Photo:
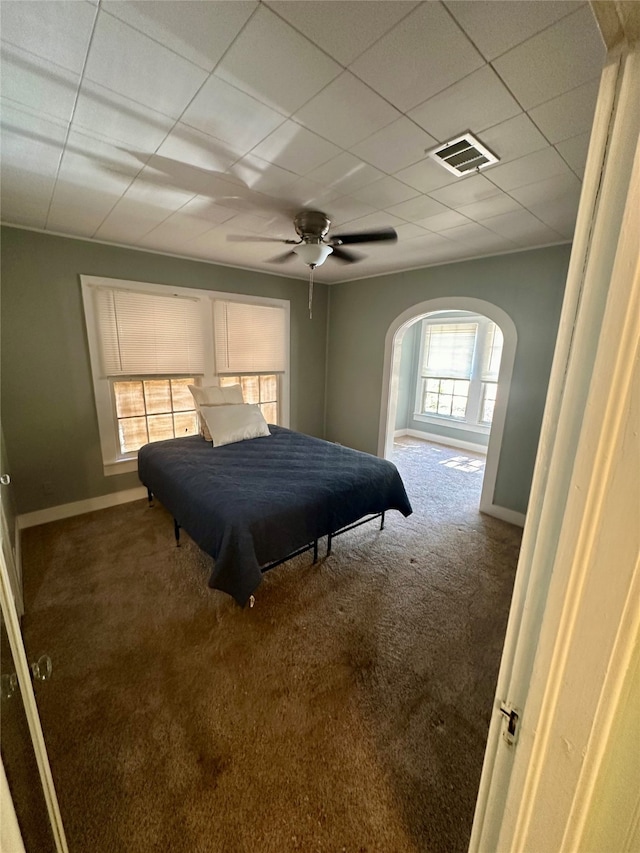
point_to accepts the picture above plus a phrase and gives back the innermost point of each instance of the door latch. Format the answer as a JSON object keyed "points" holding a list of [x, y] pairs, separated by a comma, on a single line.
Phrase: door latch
{"points": [[511, 723]]}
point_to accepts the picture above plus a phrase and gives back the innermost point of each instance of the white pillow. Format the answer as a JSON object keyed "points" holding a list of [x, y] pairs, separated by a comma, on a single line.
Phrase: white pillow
{"points": [[228, 424], [214, 395]]}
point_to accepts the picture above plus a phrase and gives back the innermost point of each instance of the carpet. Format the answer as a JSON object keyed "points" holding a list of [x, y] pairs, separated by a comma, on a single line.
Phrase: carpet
{"points": [[347, 711]]}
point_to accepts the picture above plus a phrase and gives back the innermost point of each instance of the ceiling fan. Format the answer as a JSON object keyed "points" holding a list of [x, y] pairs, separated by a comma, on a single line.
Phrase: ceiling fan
{"points": [[315, 246]]}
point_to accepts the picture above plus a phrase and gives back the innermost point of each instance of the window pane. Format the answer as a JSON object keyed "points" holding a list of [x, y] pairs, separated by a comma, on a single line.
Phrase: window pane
{"points": [[129, 399], [489, 392], [270, 412], [157, 394], [433, 385], [459, 407], [182, 399], [461, 387], [268, 389], [133, 434], [447, 386], [185, 423], [444, 404], [229, 380], [160, 427], [250, 389], [431, 402]]}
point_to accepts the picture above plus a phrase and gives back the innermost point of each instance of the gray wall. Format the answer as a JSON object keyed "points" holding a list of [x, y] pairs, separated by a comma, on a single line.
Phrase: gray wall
{"points": [[48, 411], [528, 286]]}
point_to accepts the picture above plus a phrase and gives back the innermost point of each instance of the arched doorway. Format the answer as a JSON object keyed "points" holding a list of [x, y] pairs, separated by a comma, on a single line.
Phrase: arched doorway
{"points": [[391, 374]]}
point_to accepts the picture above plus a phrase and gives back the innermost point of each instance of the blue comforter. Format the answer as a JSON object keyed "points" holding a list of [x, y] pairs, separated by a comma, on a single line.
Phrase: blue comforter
{"points": [[253, 502]]}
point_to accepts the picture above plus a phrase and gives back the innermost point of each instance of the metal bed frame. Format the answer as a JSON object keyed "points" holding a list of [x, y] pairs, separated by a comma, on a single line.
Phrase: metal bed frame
{"points": [[312, 545]]}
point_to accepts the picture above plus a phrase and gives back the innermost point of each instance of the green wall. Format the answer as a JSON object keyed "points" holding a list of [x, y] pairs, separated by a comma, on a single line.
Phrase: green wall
{"points": [[48, 412], [528, 286]]}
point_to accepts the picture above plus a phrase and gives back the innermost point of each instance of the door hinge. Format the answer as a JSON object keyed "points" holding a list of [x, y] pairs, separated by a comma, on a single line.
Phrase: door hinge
{"points": [[511, 723]]}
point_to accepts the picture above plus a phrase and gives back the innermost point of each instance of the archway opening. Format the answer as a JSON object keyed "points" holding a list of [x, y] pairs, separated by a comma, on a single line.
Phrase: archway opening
{"points": [[410, 382]]}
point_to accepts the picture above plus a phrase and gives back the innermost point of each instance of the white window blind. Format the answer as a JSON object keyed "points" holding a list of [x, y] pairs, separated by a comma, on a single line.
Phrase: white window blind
{"points": [[492, 354], [448, 350], [249, 338], [148, 334]]}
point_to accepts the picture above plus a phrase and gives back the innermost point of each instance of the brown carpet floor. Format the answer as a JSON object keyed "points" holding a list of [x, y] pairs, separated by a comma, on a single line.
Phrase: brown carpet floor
{"points": [[348, 711]]}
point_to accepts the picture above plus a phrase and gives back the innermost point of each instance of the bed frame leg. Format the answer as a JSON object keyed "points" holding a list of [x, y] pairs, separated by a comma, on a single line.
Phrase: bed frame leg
{"points": [[329, 538], [252, 601], [150, 497], [382, 522], [176, 531], [315, 550]]}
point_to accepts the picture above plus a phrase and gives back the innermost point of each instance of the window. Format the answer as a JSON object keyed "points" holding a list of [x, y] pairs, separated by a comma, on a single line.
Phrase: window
{"points": [[258, 388], [459, 366], [153, 410], [148, 342]]}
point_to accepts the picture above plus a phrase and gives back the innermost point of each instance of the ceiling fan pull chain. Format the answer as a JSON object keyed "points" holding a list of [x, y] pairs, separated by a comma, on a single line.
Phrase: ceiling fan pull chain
{"points": [[312, 266]]}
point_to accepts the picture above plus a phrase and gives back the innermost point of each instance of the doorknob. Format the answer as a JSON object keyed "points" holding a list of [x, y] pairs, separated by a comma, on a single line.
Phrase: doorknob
{"points": [[5, 479], [42, 668]]}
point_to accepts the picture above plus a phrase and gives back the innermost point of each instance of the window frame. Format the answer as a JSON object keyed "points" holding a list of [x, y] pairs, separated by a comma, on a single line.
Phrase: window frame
{"points": [[114, 462], [471, 422]]}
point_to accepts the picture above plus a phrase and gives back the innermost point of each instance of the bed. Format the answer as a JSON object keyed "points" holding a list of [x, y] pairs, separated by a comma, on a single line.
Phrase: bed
{"points": [[253, 504]]}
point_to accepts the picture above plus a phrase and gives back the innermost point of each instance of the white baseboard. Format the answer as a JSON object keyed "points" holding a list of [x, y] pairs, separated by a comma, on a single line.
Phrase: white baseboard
{"points": [[442, 439], [55, 513], [504, 514]]}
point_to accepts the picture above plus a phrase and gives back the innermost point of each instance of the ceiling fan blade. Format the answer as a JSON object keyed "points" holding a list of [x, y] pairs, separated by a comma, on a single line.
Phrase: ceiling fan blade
{"points": [[388, 234], [245, 238], [346, 257], [280, 259]]}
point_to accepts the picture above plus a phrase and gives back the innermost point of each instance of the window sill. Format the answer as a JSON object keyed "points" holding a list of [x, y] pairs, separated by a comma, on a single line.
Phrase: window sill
{"points": [[122, 466], [452, 423]]}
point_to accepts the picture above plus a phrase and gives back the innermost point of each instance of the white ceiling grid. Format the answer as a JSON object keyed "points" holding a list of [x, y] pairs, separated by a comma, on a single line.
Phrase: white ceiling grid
{"points": [[171, 124]]}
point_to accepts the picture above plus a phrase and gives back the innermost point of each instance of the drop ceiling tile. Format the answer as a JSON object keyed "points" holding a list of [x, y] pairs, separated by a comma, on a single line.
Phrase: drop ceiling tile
{"points": [[409, 231], [58, 32], [396, 146], [31, 141], [284, 78], [307, 193], [528, 170], [345, 174], [417, 208], [513, 138], [521, 226], [295, 148], [226, 113], [543, 68], [496, 26], [126, 61], [194, 148], [90, 159], [379, 219], [115, 117], [36, 83], [80, 209], [443, 221], [260, 175], [569, 114], [343, 30], [551, 189], [423, 54], [494, 206], [346, 112], [574, 151], [25, 197], [203, 207], [346, 209], [200, 32], [475, 103], [466, 191], [477, 237], [426, 175], [385, 192]]}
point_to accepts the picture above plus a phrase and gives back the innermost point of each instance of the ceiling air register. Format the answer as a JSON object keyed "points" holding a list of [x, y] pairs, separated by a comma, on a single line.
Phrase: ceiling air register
{"points": [[463, 155]]}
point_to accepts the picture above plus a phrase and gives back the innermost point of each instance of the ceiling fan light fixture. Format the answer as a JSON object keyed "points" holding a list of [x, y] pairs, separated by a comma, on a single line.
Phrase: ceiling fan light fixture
{"points": [[313, 254]]}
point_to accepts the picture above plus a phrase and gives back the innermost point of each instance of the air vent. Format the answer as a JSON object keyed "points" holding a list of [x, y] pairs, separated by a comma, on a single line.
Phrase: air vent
{"points": [[463, 155]]}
